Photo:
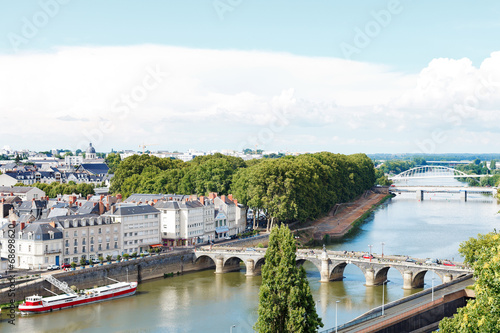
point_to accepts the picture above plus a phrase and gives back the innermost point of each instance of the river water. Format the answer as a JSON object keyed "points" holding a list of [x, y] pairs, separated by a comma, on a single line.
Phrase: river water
{"points": [[206, 302]]}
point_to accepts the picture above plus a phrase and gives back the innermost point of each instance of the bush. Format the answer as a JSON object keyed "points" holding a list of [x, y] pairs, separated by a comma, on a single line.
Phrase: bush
{"points": [[260, 245], [73, 265], [118, 257], [108, 258], [134, 254]]}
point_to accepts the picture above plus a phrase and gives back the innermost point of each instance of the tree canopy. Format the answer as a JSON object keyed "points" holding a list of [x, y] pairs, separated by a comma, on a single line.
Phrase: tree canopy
{"points": [[289, 188], [481, 314], [285, 300]]}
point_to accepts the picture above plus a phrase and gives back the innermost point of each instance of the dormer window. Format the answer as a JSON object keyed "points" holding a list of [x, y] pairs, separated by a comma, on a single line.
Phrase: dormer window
{"points": [[51, 234], [30, 235]]}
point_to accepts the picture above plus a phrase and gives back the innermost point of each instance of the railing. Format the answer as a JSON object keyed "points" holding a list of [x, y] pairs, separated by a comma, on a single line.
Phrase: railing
{"points": [[63, 286], [52, 251]]}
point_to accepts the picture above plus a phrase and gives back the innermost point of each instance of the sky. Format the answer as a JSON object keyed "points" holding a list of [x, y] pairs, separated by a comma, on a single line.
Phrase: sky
{"points": [[301, 76]]}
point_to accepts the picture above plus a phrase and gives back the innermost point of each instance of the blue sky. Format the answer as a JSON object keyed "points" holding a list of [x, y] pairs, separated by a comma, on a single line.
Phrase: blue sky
{"points": [[349, 76]]}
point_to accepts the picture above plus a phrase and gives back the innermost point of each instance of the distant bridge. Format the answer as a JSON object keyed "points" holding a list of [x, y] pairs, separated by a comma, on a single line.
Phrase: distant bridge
{"points": [[461, 190], [433, 171], [331, 265]]}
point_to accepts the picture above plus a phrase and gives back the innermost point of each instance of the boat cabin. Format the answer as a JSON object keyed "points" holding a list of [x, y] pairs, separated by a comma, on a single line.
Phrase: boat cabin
{"points": [[34, 300]]}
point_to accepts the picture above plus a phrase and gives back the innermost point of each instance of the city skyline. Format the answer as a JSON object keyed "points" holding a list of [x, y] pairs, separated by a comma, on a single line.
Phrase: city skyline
{"points": [[378, 77]]}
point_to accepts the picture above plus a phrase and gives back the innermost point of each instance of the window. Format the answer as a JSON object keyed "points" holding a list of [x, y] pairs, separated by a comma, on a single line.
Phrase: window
{"points": [[116, 245], [100, 248], [83, 241], [115, 229], [29, 248], [66, 252], [75, 242], [99, 230], [51, 234], [107, 246], [84, 233], [67, 243], [75, 250], [91, 248], [75, 233], [83, 249], [91, 240]]}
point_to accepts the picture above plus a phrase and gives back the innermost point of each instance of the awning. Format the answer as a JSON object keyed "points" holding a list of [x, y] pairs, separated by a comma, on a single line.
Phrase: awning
{"points": [[221, 230], [156, 245]]}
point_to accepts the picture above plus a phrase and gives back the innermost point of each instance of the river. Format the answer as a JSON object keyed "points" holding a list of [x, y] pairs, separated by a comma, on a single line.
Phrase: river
{"points": [[205, 302]]}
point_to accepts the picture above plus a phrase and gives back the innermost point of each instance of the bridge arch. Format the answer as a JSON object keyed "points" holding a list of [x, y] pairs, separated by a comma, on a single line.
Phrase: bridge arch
{"points": [[432, 171]]}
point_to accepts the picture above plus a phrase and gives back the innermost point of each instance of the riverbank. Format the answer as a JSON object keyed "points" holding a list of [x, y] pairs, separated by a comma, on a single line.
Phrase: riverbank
{"points": [[342, 219]]}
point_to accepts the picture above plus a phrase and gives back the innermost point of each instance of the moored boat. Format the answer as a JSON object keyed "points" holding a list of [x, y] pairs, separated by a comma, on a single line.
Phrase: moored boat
{"points": [[39, 304]]}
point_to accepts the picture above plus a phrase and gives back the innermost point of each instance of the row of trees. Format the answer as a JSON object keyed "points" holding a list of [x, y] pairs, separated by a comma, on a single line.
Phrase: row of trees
{"points": [[53, 189], [287, 188]]}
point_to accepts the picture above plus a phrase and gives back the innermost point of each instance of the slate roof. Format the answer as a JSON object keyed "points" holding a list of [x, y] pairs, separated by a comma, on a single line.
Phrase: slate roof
{"points": [[140, 197], [40, 231], [133, 210], [94, 168]]}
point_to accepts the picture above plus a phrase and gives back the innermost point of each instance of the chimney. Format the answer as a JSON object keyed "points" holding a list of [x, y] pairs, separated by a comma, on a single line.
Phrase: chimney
{"points": [[52, 224], [202, 200], [235, 202], [89, 196], [155, 200], [119, 196], [223, 198], [101, 207], [22, 226], [230, 197], [212, 195], [102, 197]]}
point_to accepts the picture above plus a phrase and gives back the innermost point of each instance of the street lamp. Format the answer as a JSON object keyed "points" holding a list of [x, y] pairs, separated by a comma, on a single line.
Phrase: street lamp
{"points": [[317, 304], [336, 310], [231, 328], [382, 249], [432, 286], [370, 246], [383, 294]]}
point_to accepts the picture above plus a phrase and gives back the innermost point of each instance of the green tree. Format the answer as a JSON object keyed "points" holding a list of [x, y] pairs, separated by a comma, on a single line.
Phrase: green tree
{"points": [[481, 314], [493, 164], [285, 300], [113, 160]]}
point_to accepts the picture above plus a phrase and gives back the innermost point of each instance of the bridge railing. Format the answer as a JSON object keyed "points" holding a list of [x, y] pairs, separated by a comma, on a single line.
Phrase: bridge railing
{"points": [[377, 312]]}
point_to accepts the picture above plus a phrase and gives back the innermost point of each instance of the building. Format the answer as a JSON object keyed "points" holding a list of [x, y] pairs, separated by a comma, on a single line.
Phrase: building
{"points": [[88, 236], [140, 226], [186, 222], [25, 193], [37, 245], [235, 213]]}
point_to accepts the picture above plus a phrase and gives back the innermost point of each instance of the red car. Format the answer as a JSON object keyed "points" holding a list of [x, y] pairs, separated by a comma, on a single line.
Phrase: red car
{"points": [[368, 256], [448, 263], [65, 266]]}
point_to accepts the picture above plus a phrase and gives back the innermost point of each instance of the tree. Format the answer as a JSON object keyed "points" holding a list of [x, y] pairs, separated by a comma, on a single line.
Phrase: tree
{"points": [[481, 314], [285, 299], [493, 164]]}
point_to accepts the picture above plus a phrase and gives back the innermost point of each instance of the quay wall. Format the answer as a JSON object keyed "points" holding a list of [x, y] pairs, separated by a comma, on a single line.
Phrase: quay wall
{"points": [[140, 269]]}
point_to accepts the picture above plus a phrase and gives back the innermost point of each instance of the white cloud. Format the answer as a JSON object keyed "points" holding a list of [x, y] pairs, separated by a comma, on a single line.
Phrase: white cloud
{"points": [[229, 98]]}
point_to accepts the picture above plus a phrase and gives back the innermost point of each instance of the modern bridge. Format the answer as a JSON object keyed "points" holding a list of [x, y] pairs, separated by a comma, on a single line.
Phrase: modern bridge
{"points": [[463, 191], [433, 171], [331, 265]]}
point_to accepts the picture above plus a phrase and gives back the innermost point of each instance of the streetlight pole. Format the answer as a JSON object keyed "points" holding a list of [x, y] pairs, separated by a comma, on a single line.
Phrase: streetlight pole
{"points": [[382, 249], [370, 246], [231, 328], [317, 304], [336, 310], [432, 286], [383, 295]]}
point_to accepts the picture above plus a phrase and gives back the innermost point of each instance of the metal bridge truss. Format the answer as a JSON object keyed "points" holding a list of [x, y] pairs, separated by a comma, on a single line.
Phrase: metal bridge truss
{"points": [[431, 171], [63, 286]]}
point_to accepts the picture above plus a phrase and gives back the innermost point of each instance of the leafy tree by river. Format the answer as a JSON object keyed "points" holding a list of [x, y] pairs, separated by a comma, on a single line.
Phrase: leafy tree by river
{"points": [[285, 300], [288, 188], [481, 314]]}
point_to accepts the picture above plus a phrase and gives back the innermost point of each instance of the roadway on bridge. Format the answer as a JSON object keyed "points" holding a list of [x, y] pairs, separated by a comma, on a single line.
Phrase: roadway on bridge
{"points": [[390, 313]]}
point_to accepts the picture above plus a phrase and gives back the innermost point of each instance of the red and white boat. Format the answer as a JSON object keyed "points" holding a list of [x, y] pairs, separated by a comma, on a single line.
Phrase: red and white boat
{"points": [[39, 304]]}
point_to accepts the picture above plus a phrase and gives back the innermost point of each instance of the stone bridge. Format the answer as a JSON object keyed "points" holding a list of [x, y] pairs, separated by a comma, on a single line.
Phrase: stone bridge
{"points": [[331, 265]]}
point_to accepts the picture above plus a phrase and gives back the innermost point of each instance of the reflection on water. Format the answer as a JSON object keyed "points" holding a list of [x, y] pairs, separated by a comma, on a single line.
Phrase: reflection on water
{"points": [[208, 302]]}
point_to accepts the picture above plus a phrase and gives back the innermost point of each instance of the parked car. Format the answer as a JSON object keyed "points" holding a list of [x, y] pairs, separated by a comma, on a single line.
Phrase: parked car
{"points": [[53, 267], [448, 263], [368, 256], [227, 237], [65, 266], [411, 260]]}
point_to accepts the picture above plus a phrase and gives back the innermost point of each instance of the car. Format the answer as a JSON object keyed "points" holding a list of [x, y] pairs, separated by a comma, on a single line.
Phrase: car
{"points": [[65, 266], [448, 263], [432, 261], [411, 260], [368, 256], [227, 237], [53, 267]]}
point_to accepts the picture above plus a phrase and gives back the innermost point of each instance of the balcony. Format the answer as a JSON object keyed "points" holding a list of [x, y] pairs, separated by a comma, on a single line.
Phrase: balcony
{"points": [[52, 251]]}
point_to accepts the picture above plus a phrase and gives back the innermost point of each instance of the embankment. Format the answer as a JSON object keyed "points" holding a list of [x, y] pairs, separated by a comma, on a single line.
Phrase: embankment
{"points": [[140, 269]]}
